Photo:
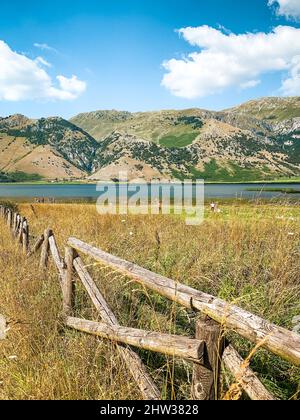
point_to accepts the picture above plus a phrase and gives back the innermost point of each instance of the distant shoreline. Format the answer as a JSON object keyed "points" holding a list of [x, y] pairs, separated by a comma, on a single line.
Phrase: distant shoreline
{"points": [[273, 182]]}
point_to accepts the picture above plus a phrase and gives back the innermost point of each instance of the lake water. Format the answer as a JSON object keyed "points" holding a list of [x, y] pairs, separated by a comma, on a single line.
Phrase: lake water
{"points": [[89, 192]]}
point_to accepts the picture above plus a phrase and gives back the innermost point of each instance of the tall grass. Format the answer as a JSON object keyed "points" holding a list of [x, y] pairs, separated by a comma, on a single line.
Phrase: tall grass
{"points": [[248, 254]]}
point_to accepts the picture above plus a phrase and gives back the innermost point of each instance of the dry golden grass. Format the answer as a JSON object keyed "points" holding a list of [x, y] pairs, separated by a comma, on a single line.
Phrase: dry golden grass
{"points": [[249, 255]]}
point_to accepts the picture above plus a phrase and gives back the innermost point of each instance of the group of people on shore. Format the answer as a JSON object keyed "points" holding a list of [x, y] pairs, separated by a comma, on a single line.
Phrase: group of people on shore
{"points": [[42, 200]]}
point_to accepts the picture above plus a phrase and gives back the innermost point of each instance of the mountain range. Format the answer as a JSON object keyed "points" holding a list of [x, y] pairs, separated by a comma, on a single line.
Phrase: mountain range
{"points": [[258, 140]]}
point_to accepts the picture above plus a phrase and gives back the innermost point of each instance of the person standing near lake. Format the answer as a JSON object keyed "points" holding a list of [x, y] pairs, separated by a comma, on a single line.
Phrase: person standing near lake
{"points": [[215, 207]]}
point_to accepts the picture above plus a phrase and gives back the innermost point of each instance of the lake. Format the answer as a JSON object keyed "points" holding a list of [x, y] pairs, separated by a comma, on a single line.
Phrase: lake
{"points": [[89, 192]]}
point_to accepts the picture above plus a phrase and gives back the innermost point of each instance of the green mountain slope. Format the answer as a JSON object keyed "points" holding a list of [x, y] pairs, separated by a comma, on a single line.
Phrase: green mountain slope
{"points": [[162, 127], [270, 109]]}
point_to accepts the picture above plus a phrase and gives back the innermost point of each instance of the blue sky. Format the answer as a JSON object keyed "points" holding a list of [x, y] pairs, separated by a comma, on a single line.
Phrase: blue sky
{"points": [[116, 49]]}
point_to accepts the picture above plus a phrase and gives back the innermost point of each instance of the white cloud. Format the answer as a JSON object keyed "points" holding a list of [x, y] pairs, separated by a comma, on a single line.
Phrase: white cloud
{"points": [[41, 60], [291, 85], [44, 47], [229, 60], [69, 88], [288, 8], [250, 84], [24, 79]]}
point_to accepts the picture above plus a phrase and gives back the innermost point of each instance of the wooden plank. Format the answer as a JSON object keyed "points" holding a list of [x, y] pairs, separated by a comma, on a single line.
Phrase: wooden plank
{"points": [[25, 238], [2, 327], [278, 340], [171, 345], [18, 220], [69, 283], [9, 218], [37, 246], [45, 249], [133, 362], [56, 257], [94, 293], [245, 377], [20, 232], [15, 221], [206, 377]]}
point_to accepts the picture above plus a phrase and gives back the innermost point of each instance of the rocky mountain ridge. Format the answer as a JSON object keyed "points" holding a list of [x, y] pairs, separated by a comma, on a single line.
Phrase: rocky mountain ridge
{"points": [[257, 140]]}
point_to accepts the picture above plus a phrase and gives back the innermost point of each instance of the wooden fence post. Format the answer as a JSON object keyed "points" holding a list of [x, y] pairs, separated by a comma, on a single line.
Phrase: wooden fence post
{"points": [[17, 225], [45, 249], [68, 283], [14, 224], [206, 377], [20, 232], [25, 238], [18, 218], [9, 218]]}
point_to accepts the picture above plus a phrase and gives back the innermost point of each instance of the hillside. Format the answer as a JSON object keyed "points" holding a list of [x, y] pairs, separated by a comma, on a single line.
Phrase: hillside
{"points": [[270, 109], [250, 142], [260, 116], [52, 147], [258, 140], [169, 128]]}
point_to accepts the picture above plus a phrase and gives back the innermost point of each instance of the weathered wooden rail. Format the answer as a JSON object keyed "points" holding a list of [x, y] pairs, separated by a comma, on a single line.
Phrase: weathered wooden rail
{"points": [[208, 351]]}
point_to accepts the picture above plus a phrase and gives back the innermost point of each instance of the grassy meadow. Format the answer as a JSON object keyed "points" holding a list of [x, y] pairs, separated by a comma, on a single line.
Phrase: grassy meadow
{"points": [[248, 254]]}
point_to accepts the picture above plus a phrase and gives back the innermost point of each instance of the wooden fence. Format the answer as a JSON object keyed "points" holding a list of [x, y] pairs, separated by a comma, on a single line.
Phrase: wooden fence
{"points": [[208, 351]]}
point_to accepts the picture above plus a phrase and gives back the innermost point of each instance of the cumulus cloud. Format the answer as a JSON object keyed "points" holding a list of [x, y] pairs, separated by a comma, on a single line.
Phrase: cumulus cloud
{"points": [[288, 8], [230, 60], [24, 79], [291, 85], [69, 88]]}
